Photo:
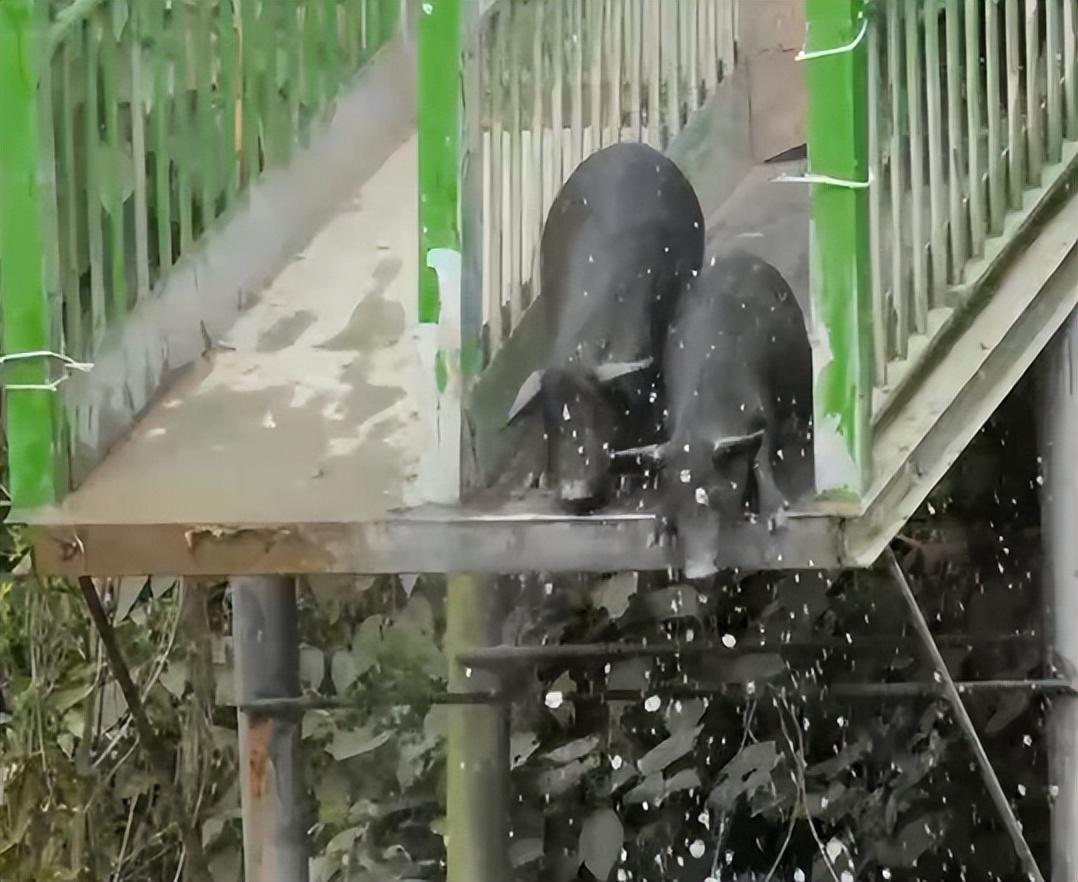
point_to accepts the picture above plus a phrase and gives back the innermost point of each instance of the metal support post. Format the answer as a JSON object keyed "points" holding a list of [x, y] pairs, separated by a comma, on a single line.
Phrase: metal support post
{"points": [[477, 761], [266, 644], [1058, 448], [965, 723]]}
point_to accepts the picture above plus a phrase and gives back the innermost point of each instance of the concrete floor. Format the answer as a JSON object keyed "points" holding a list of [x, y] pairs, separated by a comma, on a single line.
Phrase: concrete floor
{"points": [[309, 409]]}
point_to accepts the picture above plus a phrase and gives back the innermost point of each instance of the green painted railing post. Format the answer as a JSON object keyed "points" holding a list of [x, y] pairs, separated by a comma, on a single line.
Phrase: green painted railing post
{"points": [[840, 276], [24, 239]]}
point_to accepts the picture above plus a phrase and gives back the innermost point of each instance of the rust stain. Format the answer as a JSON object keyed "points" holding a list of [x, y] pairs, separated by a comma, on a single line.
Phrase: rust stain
{"points": [[259, 733]]}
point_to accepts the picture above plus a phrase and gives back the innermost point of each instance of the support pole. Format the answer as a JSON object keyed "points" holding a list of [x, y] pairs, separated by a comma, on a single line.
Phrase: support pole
{"points": [[965, 723], [266, 644], [477, 761], [1058, 447]]}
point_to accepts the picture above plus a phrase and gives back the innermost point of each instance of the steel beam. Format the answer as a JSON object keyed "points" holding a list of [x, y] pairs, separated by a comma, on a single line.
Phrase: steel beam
{"points": [[954, 697], [1058, 447], [266, 645]]}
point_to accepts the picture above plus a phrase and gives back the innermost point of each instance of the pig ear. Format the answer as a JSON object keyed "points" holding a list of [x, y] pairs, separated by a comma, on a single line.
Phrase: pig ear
{"points": [[612, 370], [749, 444], [528, 392], [653, 453]]}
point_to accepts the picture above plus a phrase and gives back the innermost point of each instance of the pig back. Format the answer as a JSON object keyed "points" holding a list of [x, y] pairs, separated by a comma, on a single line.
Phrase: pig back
{"points": [[621, 237]]}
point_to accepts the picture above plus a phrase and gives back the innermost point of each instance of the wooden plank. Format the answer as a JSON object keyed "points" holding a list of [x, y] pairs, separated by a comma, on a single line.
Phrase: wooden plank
{"points": [[1034, 111], [937, 183], [1016, 145], [915, 110], [899, 270], [118, 169], [138, 152], [974, 126], [956, 138], [996, 178], [92, 145], [70, 201]]}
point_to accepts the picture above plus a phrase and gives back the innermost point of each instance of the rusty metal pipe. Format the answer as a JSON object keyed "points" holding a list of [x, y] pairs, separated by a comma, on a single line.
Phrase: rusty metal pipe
{"points": [[266, 644]]}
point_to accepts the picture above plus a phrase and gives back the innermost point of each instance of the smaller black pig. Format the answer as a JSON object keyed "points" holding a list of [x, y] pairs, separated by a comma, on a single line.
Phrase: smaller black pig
{"points": [[738, 372], [622, 237]]}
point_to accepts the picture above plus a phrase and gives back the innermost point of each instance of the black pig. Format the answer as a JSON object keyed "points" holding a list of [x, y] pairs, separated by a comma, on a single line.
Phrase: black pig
{"points": [[738, 372], [621, 239]]}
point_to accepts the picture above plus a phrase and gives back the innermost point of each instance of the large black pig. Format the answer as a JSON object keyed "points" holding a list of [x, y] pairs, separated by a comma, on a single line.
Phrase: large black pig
{"points": [[738, 372], [621, 239]]}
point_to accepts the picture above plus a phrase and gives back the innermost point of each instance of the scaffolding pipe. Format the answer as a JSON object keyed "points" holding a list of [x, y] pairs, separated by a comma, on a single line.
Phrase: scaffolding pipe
{"points": [[477, 754], [1058, 443], [266, 644]]}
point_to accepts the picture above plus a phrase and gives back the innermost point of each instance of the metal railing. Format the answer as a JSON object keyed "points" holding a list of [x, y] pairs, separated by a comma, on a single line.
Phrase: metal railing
{"points": [[558, 80], [969, 102], [141, 125]]}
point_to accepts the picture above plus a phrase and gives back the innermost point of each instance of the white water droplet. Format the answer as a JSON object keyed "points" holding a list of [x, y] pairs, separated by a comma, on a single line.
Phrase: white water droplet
{"points": [[799, 875], [652, 703], [616, 762], [697, 848], [686, 476], [729, 641], [701, 496], [554, 700]]}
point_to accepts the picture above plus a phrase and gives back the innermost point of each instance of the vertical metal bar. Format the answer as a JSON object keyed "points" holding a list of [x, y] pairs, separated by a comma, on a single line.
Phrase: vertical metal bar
{"points": [[230, 100], [1070, 65], [207, 139], [557, 93], [1034, 122], [27, 322], [936, 181], [841, 289], [616, 22], [996, 197], [95, 234], [516, 204], [593, 138], [875, 205], [671, 72], [495, 48], [655, 116], [138, 151], [1016, 147], [70, 278], [162, 188], [181, 108], [692, 70], [915, 110], [711, 44], [114, 201], [965, 723], [477, 761], [1057, 436], [330, 56], [533, 214], [955, 142], [1053, 93], [899, 270], [473, 192], [577, 111], [634, 66], [266, 643], [974, 126]]}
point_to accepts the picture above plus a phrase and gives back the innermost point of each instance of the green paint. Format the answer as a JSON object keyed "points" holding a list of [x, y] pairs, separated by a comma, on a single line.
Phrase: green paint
{"points": [[29, 414], [837, 144], [439, 138], [115, 171], [441, 372], [159, 123]]}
